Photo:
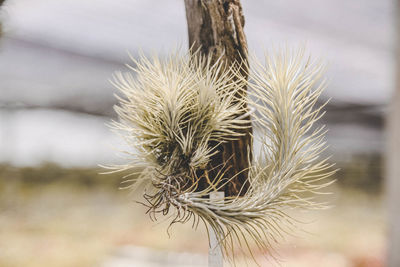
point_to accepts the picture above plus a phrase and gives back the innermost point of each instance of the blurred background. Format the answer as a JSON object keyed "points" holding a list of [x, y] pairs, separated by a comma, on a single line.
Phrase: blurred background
{"points": [[56, 60]]}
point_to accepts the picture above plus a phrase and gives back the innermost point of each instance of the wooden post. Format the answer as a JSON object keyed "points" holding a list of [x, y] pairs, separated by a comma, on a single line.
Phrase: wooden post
{"points": [[393, 159], [216, 28], [215, 258], [1, 25]]}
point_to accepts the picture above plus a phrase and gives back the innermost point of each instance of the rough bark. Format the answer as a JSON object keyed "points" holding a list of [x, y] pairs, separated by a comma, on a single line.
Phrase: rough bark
{"points": [[393, 162], [215, 27]]}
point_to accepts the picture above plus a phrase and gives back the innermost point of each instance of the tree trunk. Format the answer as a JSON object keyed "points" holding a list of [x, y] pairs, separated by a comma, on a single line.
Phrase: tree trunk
{"points": [[393, 161], [215, 27]]}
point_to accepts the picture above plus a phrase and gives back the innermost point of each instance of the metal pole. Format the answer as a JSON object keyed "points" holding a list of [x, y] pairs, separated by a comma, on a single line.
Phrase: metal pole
{"points": [[215, 258]]}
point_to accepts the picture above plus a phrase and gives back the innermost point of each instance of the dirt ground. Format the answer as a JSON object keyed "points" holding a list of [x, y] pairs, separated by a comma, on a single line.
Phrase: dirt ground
{"points": [[67, 225]]}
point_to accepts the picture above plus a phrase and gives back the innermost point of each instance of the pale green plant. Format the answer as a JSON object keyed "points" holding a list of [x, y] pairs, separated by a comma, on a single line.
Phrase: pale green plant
{"points": [[176, 112]]}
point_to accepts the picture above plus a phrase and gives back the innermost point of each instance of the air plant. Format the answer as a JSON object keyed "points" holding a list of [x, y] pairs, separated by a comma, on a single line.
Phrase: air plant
{"points": [[176, 112]]}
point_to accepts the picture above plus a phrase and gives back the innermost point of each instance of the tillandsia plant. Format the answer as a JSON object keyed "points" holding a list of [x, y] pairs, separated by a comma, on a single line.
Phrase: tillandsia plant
{"points": [[175, 113]]}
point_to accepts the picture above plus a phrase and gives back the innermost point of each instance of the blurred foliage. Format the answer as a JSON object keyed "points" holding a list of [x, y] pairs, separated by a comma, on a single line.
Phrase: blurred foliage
{"points": [[51, 173], [363, 172]]}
